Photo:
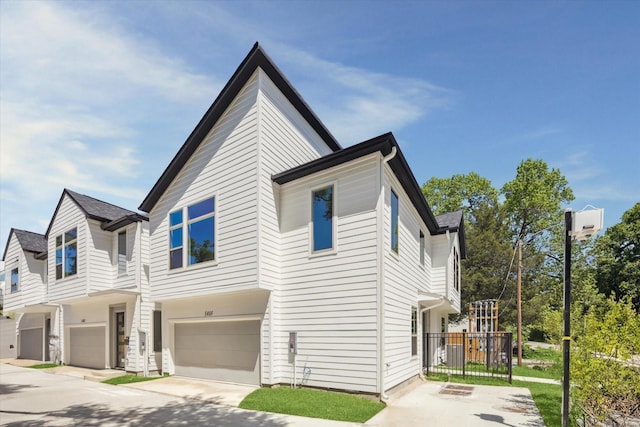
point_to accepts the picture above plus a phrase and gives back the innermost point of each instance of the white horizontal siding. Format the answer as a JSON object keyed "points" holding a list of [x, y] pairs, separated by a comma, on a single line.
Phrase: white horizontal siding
{"points": [[67, 217], [330, 300], [31, 287], [100, 249], [224, 166]]}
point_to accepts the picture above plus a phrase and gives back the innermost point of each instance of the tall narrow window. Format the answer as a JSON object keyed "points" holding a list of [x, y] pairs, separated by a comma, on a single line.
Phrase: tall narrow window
{"points": [[122, 252], [175, 239], [157, 330], [421, 248], [67, 254], [15, 278], [198, 233], [201, 231], [394, 222], [456, 269], [414, 331], [322, 224]]}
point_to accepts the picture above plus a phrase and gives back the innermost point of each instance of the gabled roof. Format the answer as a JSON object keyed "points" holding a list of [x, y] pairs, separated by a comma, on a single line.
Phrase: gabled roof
{"points": [[454, 222], [29, 241], [256, 58], [385, 145], [98, 210]]}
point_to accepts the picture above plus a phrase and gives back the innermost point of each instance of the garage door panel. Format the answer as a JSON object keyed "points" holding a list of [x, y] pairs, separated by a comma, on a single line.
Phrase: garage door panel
{"points": [[87, 346], [31, 344], [224, 351]]}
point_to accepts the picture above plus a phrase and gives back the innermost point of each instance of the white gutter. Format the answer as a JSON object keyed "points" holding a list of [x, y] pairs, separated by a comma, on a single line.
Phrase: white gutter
{"points": [[386, 159]]}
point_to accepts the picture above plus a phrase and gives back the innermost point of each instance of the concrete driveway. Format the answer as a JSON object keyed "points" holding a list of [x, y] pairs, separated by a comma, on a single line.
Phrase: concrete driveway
{"points": [[445, 404]]}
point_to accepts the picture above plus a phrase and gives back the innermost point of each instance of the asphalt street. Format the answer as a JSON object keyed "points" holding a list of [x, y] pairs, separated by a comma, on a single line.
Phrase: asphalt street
{"points": [[29, 397]]}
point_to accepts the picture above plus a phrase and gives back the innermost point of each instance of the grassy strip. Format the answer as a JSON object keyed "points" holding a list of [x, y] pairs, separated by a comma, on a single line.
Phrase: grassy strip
{"points": [[128, 379], [547, 397], [43, 366], [312, 403]]}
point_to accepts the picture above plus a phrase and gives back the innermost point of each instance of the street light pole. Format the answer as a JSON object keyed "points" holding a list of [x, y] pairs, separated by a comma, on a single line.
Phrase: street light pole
{"points": [[566, 336]]}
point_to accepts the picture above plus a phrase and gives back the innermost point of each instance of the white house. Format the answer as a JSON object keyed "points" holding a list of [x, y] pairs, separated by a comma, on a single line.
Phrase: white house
{"points": [[25, 294], [99, 277], [277, 256]]}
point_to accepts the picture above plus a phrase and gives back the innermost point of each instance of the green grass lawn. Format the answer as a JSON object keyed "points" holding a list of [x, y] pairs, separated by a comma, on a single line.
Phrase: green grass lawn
{"points": [[128, 379], [43, 366], [312, 403]]}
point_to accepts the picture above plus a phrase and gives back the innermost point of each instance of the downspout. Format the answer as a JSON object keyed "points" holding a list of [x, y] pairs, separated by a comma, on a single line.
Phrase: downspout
{"points": [[442, 301], [386, 159]]}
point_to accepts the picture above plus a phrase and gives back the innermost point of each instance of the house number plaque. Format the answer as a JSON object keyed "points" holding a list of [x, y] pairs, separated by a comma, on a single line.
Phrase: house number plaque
{"points": [[208, 313]]}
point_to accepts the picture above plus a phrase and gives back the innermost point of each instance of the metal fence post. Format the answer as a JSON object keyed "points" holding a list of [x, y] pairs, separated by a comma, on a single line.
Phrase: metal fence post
{"points": [[464, 354]]}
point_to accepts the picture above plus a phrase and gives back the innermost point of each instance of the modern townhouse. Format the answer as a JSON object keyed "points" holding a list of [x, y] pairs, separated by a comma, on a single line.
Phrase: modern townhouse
{"points": [[277, 256], [26, 293]]}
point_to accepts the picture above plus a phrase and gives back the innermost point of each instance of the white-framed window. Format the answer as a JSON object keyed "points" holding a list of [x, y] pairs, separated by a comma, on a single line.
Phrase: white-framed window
{"points": [[323, 219], [67, 254], [421, 248], [394, 221], [414, 331], [15, 279], [195, 225], [456, 269], [122, 252]]}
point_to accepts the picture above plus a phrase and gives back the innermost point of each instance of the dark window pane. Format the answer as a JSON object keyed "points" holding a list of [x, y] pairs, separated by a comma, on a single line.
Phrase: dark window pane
{"points": [[323, 219], [122, 243], [157, 330], [176, 237], [175, 258], [70, 259], [59, 240], [203, 208], [71, 235], [14, 280], [58, 271], [175, 218], [58, 256], [421, 248], [394, 222], [201, 241]]}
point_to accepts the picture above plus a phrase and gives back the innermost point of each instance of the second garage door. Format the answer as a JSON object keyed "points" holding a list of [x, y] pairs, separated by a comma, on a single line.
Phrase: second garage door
{"points": [[222, 351], [31, 344], [87, 347]]}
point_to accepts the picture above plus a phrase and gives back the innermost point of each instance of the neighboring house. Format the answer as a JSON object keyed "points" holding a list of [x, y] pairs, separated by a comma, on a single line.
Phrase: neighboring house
{"points": [[98, 276], [26, 293], [277, 256]]}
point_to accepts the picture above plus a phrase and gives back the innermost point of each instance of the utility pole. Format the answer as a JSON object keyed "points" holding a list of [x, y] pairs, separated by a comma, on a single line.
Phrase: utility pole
{"points": [[519, 302]]}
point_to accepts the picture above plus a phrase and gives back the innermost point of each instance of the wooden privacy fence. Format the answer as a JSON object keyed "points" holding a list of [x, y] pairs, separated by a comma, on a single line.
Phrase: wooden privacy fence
{"points": [[482, 354]]}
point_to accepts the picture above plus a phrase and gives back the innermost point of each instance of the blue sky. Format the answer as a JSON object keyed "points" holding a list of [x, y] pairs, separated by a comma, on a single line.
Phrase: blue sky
{"points": [[98, 96]]}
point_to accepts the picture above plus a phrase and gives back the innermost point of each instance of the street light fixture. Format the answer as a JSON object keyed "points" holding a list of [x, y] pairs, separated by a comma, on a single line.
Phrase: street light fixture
{"points": [[578, 226]]}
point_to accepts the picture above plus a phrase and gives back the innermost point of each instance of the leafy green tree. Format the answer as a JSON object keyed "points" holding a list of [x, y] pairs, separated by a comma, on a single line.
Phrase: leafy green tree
{"points": [[607, 385], [618, 259]]}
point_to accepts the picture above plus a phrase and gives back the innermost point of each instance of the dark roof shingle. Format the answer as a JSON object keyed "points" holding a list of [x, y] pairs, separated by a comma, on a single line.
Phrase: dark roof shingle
{"points": [[29, 241]]}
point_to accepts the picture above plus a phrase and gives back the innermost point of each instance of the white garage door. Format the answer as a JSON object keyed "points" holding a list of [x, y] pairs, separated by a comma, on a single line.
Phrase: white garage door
{"points": [[31, 344], [87, 347], [222, 351]]}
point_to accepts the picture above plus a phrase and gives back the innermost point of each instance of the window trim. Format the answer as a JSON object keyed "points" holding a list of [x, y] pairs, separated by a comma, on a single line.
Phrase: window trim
{"points": [[63, 253], [334, 220], [184, 225], [396, 217]]}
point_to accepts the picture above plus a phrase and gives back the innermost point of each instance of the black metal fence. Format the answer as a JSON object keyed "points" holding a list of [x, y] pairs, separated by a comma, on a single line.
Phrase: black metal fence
{"points": [[481, 354]]}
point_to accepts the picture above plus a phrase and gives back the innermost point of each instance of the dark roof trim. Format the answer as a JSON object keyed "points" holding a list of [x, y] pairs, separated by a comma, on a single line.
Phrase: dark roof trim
{"points": [[256, 58], [29, 241], [121, 222], [115, 213], [383, 144]]}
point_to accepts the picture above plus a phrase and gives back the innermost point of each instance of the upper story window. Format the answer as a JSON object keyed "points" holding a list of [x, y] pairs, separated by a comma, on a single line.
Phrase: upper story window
{"points": [[15, 278], [67, 254], [322, 218], [421, 248], [198, 231], [122, 252], [456, 269], [394, 222]]}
